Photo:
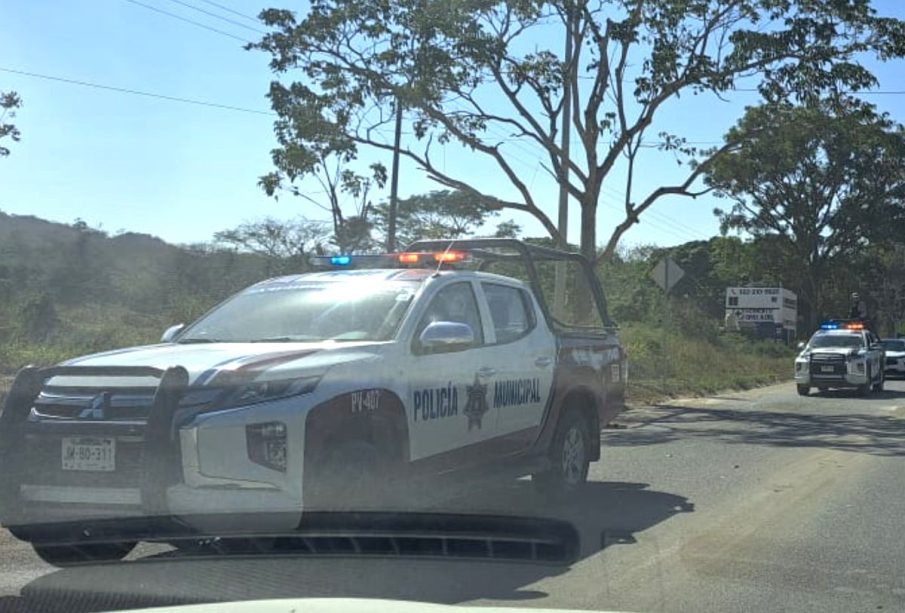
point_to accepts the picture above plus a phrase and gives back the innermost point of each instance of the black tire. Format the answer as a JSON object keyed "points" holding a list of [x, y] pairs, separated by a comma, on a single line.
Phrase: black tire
{"points": [[864, 390], [569, 458], [803, 390], [345, 480], [69, 555]]}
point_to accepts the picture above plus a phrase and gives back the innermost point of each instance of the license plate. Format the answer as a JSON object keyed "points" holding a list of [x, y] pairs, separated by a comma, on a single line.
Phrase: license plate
{"points": [[827, 369], [89, 453]]}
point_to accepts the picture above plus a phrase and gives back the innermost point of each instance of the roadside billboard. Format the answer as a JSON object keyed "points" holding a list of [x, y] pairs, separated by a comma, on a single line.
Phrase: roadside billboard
{"points": [[757, 307]]}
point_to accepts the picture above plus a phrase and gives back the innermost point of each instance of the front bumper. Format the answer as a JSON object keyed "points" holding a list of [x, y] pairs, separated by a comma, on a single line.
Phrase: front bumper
{"points": [[847, 379], [150, 480], [895, 366]]}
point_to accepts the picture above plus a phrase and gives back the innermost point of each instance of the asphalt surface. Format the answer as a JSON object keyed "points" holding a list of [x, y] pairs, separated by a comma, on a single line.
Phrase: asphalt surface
{"points": [[755, 501]]}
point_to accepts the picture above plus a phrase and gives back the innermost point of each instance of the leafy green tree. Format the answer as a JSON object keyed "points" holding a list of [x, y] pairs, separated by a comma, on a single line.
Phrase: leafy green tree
{"points": [[286, 245], [435, 215], [825, 180], [344, 193], [9, 102], [491, 75]]}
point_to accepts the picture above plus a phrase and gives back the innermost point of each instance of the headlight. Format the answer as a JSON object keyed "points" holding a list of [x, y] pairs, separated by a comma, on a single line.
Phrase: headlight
{"points": [[263, 391], [856, 366]]}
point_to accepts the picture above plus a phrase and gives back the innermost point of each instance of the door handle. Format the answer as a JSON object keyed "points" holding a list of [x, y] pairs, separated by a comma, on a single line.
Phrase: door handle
{"points": [[543, 362], [486, 371]]}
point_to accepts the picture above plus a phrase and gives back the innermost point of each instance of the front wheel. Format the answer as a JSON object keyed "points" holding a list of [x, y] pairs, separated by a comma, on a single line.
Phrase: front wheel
{"points": [[346, 479], [803, 390], [569, 458], [864, 390], [69, 555]]}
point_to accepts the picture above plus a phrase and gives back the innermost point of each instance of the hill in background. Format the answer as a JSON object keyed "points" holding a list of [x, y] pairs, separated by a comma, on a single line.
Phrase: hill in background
{"points": [[70, 289]]}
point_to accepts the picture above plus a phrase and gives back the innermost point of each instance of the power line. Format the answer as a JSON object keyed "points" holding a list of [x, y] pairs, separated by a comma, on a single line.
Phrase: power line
{"points": [[229, 10], [689, 231], [136, 92], [187, 20], [216, 16]]}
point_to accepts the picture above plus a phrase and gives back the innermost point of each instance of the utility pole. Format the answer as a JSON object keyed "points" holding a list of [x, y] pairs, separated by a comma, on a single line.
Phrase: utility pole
{"points": [[394, 182], [559, 295]]}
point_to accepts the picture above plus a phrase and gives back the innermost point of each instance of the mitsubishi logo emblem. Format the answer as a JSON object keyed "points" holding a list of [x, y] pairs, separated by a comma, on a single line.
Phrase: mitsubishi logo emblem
{"points": [[97, 408]]}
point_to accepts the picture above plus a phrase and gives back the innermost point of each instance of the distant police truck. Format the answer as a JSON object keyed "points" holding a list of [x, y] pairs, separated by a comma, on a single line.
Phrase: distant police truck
{"points": [[764, 312], [319, 391]]}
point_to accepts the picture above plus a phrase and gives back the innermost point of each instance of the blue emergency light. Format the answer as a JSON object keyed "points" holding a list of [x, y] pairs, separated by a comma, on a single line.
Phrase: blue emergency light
{"points": [[829, 325], [391, 260]]}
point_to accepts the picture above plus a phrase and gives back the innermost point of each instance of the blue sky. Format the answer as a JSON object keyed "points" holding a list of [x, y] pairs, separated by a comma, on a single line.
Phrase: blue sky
{"points": [[182, 171]]}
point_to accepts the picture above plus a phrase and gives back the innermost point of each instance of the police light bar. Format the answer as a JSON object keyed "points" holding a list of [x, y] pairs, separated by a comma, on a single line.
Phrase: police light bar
{"points": [[347, 261], [427, 258], [842, 325], [450, 256], [413, 257]]}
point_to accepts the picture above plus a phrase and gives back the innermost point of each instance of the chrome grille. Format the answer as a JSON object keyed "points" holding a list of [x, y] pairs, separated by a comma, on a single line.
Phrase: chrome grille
{"points": [[827, 357], [126, 404]]}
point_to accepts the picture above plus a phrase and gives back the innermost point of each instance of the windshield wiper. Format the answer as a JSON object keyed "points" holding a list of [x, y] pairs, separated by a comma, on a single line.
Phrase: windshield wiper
{"points": [[192, 341]]}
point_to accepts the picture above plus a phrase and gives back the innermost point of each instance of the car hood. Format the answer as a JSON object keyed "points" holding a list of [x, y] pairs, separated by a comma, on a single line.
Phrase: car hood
{"points": [[335, 605], [205, 361], [895, 354], [834, 350]]}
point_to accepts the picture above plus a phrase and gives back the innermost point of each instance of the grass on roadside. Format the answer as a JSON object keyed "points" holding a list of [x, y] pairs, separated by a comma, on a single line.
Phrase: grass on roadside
{"points": [[82, 331], [667, 364], [661, 364]]}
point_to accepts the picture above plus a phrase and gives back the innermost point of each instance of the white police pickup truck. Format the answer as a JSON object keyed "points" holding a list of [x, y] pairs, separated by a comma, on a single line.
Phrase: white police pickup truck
{"points": [[318, 391], [841, 354]]}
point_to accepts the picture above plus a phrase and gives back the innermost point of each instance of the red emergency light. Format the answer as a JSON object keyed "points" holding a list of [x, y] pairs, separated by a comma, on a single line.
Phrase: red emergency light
{"points": [[450, 256], [409, 258], [438, 256]]}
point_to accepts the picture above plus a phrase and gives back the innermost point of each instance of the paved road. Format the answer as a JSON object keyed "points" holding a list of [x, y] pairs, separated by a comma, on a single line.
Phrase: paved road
{"points": [[752, 501]]}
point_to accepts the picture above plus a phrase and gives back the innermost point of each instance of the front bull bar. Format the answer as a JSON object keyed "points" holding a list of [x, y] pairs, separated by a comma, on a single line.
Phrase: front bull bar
{"points": [[161, 462]]}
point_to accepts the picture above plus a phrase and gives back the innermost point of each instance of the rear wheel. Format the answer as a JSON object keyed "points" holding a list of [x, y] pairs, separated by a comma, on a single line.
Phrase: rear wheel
{"points": [[68, 555], [569, 458], [803, 390]]}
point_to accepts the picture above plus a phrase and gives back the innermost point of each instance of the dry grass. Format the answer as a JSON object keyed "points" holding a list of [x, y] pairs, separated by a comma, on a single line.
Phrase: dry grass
{"points": [[663, 365]]}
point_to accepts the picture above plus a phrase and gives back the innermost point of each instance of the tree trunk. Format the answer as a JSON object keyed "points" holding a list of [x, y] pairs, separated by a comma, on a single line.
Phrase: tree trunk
{"points": [[589, 230]]}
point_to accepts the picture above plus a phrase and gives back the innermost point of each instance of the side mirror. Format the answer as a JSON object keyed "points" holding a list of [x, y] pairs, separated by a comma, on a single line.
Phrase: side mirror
{"points": [[446, 335], [171, 333], [801, 345]]}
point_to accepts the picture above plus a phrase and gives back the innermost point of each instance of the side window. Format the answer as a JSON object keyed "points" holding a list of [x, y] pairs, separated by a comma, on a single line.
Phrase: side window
{"points": [[509, 311], [456, 303]]}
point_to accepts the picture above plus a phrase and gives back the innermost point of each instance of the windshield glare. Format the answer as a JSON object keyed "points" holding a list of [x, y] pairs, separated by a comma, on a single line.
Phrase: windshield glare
{"points": [[314, 312], [850, 341]]}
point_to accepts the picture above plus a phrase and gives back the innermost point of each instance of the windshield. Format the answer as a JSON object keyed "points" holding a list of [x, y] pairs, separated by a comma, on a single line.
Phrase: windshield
{"points": [[340, 311], [850, 341], [894, 345]]}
